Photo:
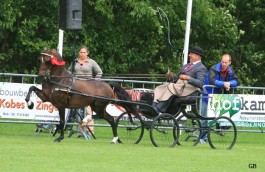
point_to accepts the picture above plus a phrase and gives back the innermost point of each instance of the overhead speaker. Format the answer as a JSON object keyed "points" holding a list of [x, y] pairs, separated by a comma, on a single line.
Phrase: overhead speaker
{"points": [[70, 14]]}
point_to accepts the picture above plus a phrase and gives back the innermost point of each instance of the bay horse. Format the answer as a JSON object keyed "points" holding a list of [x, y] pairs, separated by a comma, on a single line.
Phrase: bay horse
{"points": [[65, 91]]}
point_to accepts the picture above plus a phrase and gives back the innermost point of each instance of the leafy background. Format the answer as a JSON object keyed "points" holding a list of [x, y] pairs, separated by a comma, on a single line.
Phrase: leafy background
{"points": [[128, 37]]}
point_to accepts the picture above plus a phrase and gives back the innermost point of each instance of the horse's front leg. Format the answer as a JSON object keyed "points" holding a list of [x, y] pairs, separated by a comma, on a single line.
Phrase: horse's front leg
{"points": [[27, 99], [61, 125], [38, 92]]}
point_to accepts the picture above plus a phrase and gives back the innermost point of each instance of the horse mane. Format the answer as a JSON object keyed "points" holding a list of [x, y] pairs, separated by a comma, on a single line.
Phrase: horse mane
{"points": [[57, 54], [120, 92], [123, 95]]}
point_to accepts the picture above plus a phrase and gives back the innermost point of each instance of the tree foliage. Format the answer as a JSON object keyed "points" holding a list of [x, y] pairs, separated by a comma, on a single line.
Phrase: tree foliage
{"points": [[136, 36]]}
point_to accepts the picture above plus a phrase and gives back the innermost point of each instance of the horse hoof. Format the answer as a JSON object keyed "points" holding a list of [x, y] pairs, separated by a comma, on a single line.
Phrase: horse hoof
{"points": [[57, 141], [30, 104], [114, 140]]}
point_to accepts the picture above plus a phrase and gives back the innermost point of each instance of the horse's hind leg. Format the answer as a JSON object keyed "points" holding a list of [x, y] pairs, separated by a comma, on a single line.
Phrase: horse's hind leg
{"points": [[113, 125]]}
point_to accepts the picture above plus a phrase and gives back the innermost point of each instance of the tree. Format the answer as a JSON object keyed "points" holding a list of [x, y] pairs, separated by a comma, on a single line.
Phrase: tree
{"points": [[27, 28], [251, 50], [133, 37]]}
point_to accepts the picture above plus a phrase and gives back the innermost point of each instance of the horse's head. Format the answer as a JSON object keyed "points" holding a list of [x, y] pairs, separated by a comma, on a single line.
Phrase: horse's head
{"points": [[50, 60]]}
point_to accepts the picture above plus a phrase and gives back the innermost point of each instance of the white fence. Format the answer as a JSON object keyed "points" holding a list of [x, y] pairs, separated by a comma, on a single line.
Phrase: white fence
{"points": [[244, 105], [14, 88]]}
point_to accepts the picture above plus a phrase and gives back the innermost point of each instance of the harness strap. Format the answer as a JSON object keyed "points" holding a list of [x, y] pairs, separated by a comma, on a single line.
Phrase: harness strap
{"points": [[46, 54]]}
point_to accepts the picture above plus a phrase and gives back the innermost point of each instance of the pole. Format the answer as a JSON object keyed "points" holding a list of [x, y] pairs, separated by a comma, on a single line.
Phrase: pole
{"points": [[187, 34], [60, 43], [74, 53]]}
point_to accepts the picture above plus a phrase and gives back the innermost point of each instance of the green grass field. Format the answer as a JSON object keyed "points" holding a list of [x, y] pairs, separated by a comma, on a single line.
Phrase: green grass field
{"points": [[21, 149]]}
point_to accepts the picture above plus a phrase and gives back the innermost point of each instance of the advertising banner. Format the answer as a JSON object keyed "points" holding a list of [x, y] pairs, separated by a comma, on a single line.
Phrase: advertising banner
{"points": [[244, 109], [14, 106]]}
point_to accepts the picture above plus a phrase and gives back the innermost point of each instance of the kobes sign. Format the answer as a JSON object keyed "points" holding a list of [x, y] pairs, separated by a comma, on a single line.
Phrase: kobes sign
{"points": [[13, 104]]}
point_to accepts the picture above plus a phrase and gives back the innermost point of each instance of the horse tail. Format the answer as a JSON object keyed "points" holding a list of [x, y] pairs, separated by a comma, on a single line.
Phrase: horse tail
{"points": [[123, 95], [147, 98]]}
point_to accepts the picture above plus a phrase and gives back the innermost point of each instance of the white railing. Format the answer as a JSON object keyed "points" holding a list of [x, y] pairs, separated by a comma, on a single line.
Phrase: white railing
{"points": [[240, 90]]}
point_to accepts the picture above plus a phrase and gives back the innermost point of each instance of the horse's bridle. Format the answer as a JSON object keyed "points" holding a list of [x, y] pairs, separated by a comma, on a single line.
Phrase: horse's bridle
{"points": [[46, 54], [46, 77]]}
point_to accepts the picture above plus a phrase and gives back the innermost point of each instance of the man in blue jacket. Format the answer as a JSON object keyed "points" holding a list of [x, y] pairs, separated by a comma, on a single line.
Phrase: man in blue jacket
{"points": [[223, 77]]}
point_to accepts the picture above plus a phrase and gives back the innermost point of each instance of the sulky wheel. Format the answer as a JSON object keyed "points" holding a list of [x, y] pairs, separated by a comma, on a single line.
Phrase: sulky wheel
{"points": [[164, 131], [222, 133], [130, 130], [190, 130]]}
